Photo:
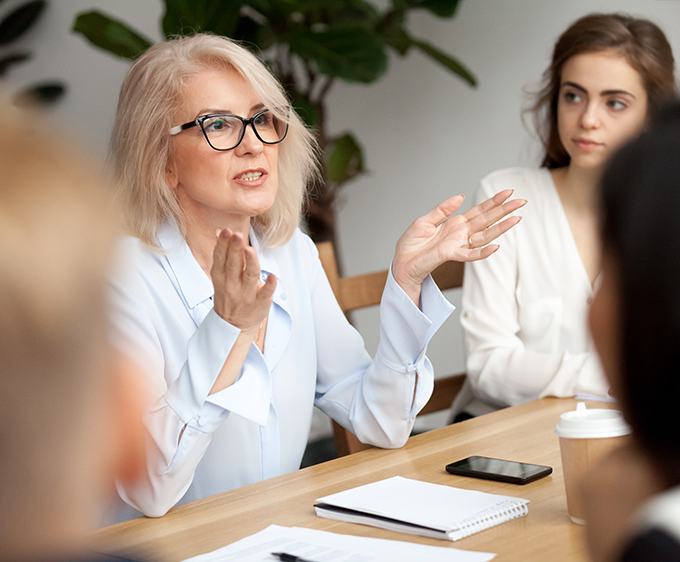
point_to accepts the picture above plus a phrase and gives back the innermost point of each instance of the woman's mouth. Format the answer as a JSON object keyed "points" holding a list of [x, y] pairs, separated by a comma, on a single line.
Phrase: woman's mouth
{"points": [[251, 178], [586, 144]]}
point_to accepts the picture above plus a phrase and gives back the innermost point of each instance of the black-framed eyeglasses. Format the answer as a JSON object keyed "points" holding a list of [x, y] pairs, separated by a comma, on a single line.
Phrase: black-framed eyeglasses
{"points": [[224, 131]]}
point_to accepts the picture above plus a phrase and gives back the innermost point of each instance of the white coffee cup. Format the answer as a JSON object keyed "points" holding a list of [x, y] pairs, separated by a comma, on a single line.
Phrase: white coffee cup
{"points": [[585, 437]]}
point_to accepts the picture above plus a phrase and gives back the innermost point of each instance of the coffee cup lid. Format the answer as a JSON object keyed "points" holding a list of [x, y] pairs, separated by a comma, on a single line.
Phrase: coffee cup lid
{"points": [[583, 423]]}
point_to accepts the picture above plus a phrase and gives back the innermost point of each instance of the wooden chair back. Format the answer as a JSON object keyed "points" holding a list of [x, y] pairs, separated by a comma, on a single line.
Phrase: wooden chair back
{"points": [[361, 291]]}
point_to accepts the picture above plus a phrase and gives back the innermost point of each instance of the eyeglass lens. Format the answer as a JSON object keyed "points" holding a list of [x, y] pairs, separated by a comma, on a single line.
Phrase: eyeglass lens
{"points": [[224, 131]]}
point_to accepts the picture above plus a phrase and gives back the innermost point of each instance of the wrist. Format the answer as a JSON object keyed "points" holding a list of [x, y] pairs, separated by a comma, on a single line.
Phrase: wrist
{"points": [[409, 286]]}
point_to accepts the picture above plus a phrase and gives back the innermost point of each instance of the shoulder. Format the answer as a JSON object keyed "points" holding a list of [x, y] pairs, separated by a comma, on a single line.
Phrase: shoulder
{"points": [[134, 261], [659, 522], [532, 184], [656, 545], [299, 253], [525, 181]]}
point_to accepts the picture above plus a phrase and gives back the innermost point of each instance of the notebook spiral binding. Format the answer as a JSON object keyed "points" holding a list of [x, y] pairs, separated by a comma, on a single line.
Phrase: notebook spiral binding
{"points": [[500, 513]]}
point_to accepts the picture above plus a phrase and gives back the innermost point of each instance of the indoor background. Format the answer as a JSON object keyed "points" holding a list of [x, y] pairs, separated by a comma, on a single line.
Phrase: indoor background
{"points": [[426, 134]]}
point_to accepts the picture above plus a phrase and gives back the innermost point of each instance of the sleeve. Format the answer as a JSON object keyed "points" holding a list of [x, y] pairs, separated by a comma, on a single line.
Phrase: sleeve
{"points": [[500, 369], [656, 545], [375, 398], [182, 417]]}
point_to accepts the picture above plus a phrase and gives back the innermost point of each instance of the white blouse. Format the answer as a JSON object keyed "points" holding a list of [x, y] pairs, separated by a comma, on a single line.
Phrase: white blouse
{"points": [[525, 308], [203, 444]]}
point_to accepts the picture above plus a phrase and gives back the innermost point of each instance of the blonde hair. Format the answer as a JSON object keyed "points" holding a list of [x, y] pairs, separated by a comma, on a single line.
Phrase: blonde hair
{"points": [[141, 142], [56, 243]]}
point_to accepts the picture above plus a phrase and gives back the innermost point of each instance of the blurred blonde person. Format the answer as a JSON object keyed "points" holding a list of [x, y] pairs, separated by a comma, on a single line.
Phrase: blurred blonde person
{"points": [[70, 417]]}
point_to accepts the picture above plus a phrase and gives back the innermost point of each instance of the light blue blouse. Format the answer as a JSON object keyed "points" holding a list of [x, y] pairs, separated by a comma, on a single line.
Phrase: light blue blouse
{"points": [[258, 428]]}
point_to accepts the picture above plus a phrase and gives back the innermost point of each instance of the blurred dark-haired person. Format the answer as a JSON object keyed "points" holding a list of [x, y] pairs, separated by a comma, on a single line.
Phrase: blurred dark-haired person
{"points": [[524, 309], [70, 410], [632, 500]]}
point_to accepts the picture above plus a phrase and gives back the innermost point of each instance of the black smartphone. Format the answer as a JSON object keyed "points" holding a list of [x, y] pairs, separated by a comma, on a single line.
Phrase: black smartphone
{"points": [[498, 469]]}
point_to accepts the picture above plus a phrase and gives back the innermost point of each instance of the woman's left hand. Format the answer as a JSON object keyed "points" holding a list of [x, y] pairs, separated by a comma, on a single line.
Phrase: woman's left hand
{"points": [[439, 237]]}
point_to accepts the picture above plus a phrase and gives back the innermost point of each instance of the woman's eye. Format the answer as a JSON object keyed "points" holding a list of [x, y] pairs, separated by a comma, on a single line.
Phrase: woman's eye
{"points": [[218, 124], [263, 120], [572, 97], [616, 105]]}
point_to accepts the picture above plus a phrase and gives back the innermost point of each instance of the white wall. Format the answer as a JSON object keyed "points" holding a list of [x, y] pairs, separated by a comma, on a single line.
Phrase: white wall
{"points": [[426, 134]]}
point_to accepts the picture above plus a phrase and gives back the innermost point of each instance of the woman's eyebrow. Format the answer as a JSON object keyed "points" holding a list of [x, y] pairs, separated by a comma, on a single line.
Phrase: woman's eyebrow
{"points": [[574, 85], [210, 110], [602, 93], [617, 93]]}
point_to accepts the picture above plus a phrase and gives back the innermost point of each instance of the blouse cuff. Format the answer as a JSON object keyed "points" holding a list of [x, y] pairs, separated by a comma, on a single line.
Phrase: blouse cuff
{"points": [[591, 379], [250, 395], [405, 329]]}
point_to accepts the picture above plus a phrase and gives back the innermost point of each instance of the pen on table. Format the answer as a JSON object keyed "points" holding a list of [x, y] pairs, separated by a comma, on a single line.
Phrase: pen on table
{"points": [[289, 557]]}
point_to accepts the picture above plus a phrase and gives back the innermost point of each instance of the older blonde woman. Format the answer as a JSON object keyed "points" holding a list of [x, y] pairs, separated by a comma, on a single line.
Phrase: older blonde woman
{"points": [[224, 303]]}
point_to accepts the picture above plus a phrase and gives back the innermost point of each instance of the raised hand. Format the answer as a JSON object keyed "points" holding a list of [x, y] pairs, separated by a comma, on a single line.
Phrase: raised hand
{"points": [[240, 297], [440, 236]]}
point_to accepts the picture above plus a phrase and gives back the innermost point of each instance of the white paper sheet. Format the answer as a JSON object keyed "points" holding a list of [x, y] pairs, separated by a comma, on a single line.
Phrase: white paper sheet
{"points": [[322, 546]]}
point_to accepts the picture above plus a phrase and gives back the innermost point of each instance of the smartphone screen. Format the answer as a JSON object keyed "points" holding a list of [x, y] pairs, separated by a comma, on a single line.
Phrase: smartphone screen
{"points": [[497, 469]]}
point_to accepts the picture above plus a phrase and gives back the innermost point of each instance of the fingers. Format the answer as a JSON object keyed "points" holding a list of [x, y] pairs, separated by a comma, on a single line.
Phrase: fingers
{"points": [[479, 239], [492, 210], [266, 292], [444, 210], [220, 253], [235, 259], [240, 297], [475, 254], [251, 270]]}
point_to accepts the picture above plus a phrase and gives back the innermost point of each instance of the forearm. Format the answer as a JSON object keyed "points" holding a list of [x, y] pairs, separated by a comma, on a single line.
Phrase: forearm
{"points": [[507, 376], [234, 362], [378, 401]]}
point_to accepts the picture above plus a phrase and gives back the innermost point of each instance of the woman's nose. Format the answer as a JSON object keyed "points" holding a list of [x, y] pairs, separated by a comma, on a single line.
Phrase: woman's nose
{"points": [[250, 144], [590, 118]]}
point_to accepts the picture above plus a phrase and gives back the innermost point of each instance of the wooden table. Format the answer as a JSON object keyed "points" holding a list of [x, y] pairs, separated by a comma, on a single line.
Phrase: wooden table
{"points": [[524, 433]]}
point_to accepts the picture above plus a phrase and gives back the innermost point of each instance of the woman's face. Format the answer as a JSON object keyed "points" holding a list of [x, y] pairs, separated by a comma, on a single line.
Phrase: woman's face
{"points": [[221, 189], [601, 104], [604, 320]]}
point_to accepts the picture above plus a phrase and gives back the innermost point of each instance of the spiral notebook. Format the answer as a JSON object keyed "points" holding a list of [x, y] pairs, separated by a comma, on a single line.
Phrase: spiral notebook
{"points": [[421, 508]]}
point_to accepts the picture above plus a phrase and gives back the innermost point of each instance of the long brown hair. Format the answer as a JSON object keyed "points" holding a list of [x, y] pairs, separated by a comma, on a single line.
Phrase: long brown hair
{"points": [[639, 41]]}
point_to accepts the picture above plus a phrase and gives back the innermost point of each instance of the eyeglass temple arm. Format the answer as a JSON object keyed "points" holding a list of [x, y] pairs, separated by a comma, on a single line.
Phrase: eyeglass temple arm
{"points": [[180, 128]]}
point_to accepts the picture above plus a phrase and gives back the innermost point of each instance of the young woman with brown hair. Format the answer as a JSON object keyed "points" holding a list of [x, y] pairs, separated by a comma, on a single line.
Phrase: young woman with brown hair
{"points": [[524, 310]]}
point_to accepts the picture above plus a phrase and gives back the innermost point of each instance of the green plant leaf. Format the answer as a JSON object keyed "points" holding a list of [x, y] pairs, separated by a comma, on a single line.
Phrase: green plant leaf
{"points": [[354, 54], [446, 60], [441, 8], [398, 39], [40, 94], [20, 20], [10, 60], [257, 37], [391, 31], [306, 110], [111, 35], [185, 17], [346, 159]]}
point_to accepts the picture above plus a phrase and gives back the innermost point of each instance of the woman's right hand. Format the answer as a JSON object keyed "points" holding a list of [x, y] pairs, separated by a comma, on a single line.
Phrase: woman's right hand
{"points": [[240, 297]]}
